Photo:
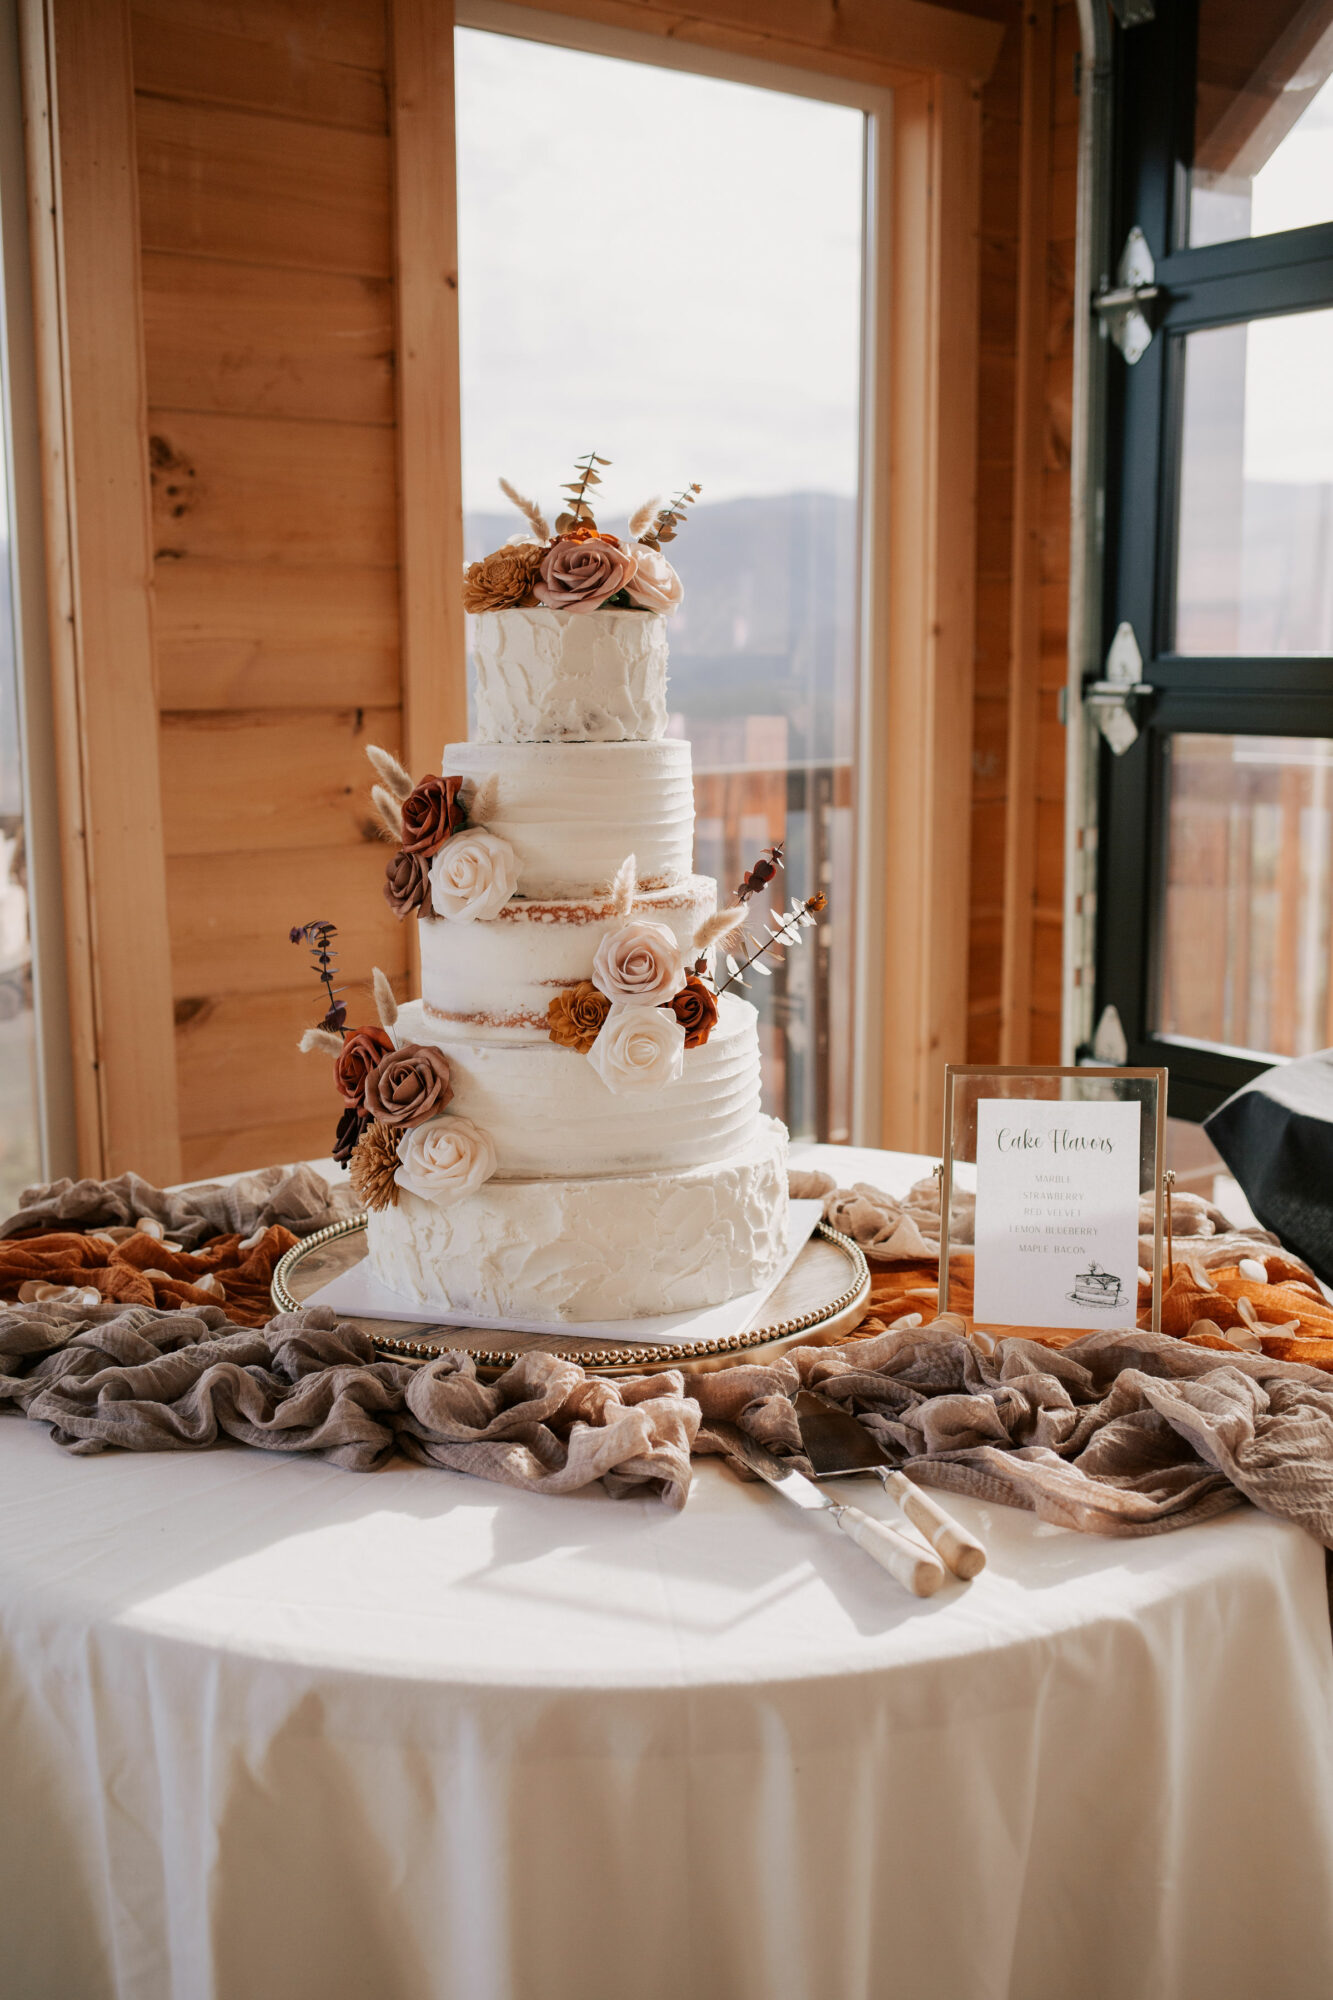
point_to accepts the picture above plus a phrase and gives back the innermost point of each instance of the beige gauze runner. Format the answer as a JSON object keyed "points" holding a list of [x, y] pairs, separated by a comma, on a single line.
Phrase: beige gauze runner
{"points": [[1120, 1434]]}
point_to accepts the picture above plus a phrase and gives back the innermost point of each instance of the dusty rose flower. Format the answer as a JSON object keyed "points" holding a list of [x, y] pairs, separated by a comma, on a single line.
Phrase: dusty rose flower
{"points": [[579, 573], [410, 1083], [656, 587], [473, 877], [695, 1007], [362, 1051], [445, 1159], [431, 813], [576, 1016], [407, 885], [641, 962], [639, 1048], [502, 579]]}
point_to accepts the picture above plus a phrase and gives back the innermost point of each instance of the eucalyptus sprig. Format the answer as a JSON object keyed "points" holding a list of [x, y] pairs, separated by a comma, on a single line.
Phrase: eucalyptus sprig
{"points": [[319, 936], [579, 513], [782, 935], [671, 517]]}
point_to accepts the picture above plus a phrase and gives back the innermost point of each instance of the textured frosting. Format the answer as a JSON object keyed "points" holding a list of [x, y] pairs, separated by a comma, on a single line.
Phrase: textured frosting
{"points": [[607, 1248], [497, 979], [549, 1113], [570, 676], [573, 811]]}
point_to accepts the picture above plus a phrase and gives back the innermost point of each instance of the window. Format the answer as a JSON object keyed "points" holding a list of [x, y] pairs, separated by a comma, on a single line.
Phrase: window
{"points": [[20, 1158], [650, 310], [1216, 849]]}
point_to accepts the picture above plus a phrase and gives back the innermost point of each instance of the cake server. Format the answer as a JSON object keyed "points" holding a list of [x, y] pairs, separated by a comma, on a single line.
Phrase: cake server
{"points": [[836, 1444], [917, 1569]]}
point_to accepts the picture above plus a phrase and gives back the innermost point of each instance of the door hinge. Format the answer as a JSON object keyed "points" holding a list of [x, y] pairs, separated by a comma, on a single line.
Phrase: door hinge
{"points": [[1122, 308], [1111, 698]]}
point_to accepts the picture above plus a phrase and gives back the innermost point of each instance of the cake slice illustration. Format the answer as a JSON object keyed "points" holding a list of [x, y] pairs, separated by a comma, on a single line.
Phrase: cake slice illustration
{"points": [[1095, 1287]]}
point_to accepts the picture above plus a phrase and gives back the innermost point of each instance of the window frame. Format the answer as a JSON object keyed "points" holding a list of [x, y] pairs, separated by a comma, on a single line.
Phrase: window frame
{"points": [[1215, 285]]}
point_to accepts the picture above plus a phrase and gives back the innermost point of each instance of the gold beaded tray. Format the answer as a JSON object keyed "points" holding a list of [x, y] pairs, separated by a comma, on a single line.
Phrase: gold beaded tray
{"points": [[823, 1298]]}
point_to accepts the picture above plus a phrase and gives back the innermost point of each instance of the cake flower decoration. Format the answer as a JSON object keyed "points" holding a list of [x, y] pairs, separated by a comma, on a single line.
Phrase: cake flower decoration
{"points": [[445, 1159], [575, 1016], [640, 963], [655, 585], [581, 570], [431, 813], [695, 1007], [412, 1083], [472, 877], [639, 1048]]}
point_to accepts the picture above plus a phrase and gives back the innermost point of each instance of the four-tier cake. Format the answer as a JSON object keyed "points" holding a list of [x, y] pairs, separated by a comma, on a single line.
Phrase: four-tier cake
{"points": [[567, 1125]]}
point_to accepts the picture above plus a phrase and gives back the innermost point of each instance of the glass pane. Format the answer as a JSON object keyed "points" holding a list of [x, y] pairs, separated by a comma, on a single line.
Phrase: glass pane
{"points": [[1246, 935], [1255, 551], [651, 313], [1263, 119], [20, 1162]]}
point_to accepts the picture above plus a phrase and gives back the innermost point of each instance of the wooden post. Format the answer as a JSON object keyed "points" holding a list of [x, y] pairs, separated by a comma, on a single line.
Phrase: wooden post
{"points": [[79, 112]]}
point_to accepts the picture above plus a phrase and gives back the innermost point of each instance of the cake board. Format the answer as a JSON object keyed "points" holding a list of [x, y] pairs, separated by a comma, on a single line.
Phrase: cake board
{"points": [[822, 1299]]}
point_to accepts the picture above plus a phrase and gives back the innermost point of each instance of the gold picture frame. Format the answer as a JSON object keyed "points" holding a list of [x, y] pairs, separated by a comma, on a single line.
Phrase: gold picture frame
{"points": [[963, 1089]]}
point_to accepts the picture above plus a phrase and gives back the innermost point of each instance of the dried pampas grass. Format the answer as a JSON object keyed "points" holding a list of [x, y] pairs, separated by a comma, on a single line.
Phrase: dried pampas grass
{"points": [[385, 1004], [390, 771], [643, 517], [321, 1042], [718, 926], [390, 812], [529, 509], [485, 798], [626, 882]]}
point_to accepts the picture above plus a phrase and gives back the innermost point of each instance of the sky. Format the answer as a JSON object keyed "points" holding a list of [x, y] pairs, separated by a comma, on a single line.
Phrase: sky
{"points": [[657, 266], [1289, 361]]}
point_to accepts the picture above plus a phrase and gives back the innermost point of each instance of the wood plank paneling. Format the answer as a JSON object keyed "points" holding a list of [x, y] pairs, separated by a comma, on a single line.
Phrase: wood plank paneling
{"points": [[430, 466], [263, 190], [229, 1049], [241, 781], [265, 635], [324, 63], [241, 489], [282, 1143], [255, 342], [80, 116], [231, 915]]}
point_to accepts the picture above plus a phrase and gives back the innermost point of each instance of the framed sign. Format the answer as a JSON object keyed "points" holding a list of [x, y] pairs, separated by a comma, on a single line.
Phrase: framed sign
{"points": [[1051, 1197]]}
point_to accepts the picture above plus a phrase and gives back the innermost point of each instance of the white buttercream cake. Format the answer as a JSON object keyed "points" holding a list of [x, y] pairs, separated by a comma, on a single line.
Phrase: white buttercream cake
{"points": [[602, 1201]]}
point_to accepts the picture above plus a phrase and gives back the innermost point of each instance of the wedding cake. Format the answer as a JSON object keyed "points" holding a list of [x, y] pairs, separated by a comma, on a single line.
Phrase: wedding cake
{"points": [[566, 1126]]}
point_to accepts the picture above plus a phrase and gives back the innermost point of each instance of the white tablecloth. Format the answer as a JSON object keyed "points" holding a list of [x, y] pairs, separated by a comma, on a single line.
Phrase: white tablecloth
{"points": [[271, 1731]]}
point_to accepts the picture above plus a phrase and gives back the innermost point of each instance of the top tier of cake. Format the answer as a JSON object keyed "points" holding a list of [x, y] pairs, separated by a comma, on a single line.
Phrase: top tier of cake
{"points": [[570, 677]]}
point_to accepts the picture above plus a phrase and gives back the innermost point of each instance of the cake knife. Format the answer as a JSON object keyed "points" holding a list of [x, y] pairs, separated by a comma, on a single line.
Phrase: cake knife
{"points": [[917, 1569], [835, 1443]]}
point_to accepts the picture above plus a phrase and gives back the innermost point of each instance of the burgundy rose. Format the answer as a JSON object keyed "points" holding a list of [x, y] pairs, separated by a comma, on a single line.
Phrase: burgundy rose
{"points": [[411, 1083], [695, 1007], [362, 1051], [407, 885], [430, 814], [580, 572], [350, 1127]]}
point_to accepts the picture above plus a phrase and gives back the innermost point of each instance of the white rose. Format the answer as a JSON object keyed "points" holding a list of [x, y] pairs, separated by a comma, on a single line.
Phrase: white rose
{"points": [[639, 1048], [473, 876], [656, 587], [641, 963], [444, 1159]]}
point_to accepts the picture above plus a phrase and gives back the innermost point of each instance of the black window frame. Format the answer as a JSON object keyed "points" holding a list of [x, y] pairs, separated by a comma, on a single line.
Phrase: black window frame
{"points": [[1215, 285]]}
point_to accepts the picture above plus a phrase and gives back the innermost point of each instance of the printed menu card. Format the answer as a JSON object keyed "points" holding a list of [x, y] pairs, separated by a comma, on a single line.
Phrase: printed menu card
{"points": [[1057, 1217]]}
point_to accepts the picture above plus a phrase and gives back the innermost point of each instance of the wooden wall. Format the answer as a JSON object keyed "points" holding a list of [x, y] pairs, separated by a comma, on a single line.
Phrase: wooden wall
{"points": [[1029, 162], [267, 234]]}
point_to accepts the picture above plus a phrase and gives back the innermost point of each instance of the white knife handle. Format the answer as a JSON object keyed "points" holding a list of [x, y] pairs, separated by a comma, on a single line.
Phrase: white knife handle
{"points": [[962, 1552], [915, 1568]]}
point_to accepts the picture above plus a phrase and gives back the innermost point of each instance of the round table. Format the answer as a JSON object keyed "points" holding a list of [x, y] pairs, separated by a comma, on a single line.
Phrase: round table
{"points": [[272, 1731]]}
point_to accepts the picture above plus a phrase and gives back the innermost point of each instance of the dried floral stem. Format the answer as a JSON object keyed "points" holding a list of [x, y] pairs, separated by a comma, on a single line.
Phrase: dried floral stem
{"points": [[319, 1041], [786, 932], [624, 886], [319, 936], [385, 1004], [717, 927], [390, 812]]}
